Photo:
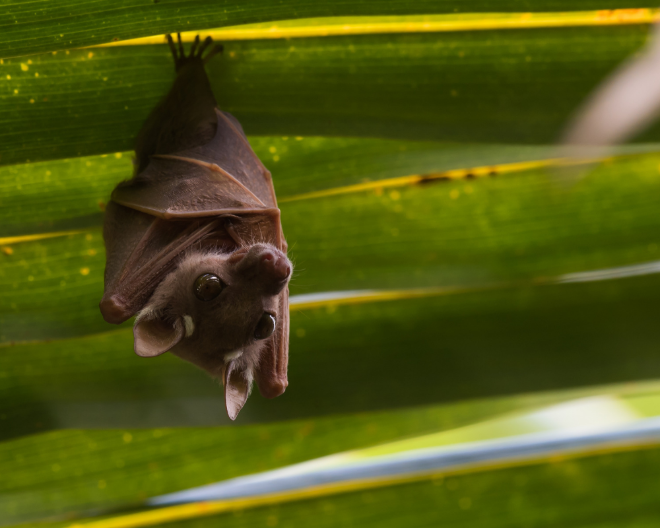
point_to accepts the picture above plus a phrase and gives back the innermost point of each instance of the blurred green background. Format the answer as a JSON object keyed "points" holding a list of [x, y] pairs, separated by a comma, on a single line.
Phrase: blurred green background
{"points": [[411, 147]]}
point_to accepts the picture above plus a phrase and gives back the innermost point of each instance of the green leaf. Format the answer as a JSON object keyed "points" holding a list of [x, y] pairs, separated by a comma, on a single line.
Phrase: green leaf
{"points": [[62, 24], [355, 358], [468, 233], [508, 86], [60, 195], [56, 196], [77, 471], [460, 274], [604, 491], [135, 464]]}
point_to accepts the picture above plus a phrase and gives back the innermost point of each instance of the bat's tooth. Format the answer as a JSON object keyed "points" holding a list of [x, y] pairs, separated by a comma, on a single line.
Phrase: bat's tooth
{"points": [[233, 355], [189, 324]]}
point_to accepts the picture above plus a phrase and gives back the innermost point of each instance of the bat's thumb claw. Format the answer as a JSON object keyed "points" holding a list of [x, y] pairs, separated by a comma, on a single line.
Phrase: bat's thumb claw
{"points": [[114, 311]]}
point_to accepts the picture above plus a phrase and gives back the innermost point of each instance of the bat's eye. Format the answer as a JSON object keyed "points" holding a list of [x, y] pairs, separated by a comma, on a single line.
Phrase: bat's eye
{"points": [[265, 327], [207, 287]]}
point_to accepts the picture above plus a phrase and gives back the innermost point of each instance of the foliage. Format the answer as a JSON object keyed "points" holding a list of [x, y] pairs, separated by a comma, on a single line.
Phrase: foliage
{"points": [[410, 163]]}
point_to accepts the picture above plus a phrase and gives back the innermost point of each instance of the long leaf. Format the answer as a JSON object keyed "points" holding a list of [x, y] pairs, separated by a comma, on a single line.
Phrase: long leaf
{"points": [[602, 491], [69, 194], [466, 233], [355, 358], [470, 275], [90, 472], [51, 25], [76, 471], [465, 86]]}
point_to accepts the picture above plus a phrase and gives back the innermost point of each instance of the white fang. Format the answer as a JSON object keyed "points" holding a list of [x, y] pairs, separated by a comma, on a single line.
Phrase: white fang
{"points": [[189, 324]]}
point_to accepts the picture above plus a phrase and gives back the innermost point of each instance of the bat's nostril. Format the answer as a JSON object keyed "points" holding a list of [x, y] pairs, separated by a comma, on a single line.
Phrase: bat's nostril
{"points": [[281, 269], [275, 266]]}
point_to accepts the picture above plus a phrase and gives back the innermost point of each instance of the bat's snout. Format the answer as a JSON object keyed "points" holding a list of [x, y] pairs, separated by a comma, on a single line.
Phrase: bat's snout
{"points": [[266, 262], [276, 266]]}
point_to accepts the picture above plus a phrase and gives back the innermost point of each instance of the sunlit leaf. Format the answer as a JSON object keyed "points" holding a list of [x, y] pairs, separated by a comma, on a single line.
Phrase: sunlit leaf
{"points": [[440, 272], [601, 491], [506, 86], [62, 24], [60, 195], [467, 233], [73, 471], [354, 358]]}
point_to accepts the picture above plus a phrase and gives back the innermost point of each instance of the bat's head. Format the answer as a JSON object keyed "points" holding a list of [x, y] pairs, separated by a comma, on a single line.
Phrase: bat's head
{"points": [[219, 311]]}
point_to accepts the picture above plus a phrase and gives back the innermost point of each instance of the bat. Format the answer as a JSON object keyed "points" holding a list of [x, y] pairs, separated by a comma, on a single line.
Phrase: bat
{"points": [[194, 244]]}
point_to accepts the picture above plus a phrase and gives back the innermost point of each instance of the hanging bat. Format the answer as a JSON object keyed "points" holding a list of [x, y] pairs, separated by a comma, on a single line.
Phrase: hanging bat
{"points": [[194, 243]]}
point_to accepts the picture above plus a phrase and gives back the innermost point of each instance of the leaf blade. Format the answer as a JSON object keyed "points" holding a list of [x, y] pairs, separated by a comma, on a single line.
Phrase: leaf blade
{"points": [[467, 86], [55, 25]]}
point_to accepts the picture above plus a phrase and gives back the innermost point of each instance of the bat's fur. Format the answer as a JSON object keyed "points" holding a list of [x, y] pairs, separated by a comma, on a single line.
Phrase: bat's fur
{"points": [[222, 329]]}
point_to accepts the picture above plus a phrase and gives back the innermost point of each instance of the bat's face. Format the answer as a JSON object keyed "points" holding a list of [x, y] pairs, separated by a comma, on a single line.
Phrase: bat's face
{"points": [[218, 311]]}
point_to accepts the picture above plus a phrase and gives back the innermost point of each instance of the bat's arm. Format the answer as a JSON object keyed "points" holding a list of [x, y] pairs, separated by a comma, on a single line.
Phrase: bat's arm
{"points": [[257, 226]]}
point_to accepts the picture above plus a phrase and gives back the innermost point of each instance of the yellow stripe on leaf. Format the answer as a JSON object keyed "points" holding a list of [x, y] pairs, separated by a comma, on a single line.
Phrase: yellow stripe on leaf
{"points": [[416, 179], [6, 241], [341, 26]]}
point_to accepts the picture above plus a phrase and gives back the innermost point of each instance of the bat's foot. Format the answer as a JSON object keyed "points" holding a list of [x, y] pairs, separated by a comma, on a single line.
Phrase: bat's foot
{"points": [[196, 51]]}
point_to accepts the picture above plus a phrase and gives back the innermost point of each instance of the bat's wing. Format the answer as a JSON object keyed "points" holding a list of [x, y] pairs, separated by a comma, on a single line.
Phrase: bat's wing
{"points": [[224, 177], [231, 151], [221, 174], [154, 254], [222, 180], [623, 105], [175, 187], [271, 374], [135, 270]]}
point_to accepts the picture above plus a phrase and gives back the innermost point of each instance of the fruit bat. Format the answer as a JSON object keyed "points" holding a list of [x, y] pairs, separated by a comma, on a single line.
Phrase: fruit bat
{"points": [[194, 244]]}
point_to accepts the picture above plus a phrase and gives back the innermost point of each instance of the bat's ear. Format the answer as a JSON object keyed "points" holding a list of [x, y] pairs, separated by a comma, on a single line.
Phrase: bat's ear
{"points": [[237, 389], [154, 337]]}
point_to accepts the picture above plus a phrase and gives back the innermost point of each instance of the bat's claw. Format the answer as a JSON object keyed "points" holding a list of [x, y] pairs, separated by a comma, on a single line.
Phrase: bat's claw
{"points": [[196, 50]]}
